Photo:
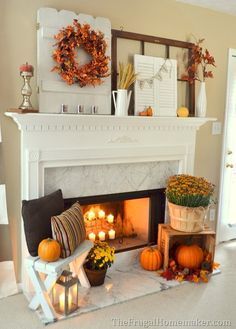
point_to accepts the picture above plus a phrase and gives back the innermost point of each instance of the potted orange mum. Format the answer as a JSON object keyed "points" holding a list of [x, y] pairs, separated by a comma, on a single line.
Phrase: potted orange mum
{"points": [[188, 201]]}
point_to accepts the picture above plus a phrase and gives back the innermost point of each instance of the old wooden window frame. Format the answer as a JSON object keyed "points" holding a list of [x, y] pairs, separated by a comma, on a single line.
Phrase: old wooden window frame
{"points": [[142, 38]]}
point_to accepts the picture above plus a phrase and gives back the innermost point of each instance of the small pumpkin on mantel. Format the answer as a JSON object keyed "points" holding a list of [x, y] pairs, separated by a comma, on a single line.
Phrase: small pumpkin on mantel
{"points": [[183, 112], [49, 250], [151, 259]]}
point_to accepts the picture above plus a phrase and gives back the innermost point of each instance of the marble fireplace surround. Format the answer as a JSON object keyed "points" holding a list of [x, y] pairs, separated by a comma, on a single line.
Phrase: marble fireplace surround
{"points": [[58, 150]]}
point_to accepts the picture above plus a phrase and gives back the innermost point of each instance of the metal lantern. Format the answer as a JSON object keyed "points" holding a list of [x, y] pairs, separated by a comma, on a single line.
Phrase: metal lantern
{"points": [[65, 294]]}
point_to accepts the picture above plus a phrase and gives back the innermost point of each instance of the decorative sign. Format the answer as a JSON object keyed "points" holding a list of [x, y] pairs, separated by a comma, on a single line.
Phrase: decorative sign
{"points": [[156, 85], [53, 91]]}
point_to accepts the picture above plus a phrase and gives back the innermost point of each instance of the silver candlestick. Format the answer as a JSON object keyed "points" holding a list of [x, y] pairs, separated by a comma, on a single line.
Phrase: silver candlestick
{"points": [[26, 91]]}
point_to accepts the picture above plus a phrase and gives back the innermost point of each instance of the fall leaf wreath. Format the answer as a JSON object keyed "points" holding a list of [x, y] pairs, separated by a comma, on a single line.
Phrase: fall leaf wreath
{"points": [[65, 55]]}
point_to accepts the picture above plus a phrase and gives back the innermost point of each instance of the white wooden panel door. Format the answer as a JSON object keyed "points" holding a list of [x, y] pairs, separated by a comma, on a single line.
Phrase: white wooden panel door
{"points": [[227, 206], [156, 85], [53, 91]]}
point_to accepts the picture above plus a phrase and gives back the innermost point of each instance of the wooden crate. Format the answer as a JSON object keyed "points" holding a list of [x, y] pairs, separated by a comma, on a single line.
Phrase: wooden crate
{"points": [[168, 238]]}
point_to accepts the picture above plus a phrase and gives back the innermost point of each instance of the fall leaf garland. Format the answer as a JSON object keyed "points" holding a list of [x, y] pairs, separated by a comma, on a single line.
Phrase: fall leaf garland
{"points": [[72, 37]]}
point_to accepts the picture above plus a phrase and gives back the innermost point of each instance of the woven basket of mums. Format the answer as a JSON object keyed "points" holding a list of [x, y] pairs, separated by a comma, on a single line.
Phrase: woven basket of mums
{"points": [[188, 198]]}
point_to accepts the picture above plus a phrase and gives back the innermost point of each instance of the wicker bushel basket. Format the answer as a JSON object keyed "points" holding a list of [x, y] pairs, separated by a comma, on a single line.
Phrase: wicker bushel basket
{"points": [[187, 219]]}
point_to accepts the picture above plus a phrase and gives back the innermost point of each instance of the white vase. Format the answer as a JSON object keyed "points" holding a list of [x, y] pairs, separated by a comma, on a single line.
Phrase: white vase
{"points": [[121, 101], [201, 103]]}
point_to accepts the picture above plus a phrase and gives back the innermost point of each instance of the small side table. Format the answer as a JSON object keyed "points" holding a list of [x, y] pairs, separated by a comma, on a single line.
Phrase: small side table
{"points": [[53, 270]]}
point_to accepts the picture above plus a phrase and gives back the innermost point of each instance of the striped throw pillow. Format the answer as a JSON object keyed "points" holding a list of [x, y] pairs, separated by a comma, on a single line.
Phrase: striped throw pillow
{"points": [[69, 229]]}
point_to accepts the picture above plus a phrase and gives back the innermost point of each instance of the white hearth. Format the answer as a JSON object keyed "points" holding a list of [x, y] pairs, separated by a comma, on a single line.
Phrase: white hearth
{"points": [[96, 154]]}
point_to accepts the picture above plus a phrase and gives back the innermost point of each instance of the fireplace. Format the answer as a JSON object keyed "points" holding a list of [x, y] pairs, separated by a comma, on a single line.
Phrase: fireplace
{"points": [[103, 155], [125, 220]]}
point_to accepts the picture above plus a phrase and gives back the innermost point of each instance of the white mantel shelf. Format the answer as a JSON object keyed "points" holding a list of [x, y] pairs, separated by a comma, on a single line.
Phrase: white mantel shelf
{"points": [[39, 122]]}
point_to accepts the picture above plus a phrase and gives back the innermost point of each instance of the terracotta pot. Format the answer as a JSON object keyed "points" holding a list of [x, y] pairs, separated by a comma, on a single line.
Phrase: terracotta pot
{"points": [[95, 277]]}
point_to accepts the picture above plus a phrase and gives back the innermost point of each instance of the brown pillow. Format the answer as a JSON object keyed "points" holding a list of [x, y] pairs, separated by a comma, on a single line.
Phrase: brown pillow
{"points": [[37, 215], [69, 229]]}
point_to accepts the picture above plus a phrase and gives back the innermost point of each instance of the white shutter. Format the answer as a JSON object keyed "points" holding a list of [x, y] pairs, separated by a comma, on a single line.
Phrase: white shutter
{"points": [[53, 91], [156, 87], [145, 93]]}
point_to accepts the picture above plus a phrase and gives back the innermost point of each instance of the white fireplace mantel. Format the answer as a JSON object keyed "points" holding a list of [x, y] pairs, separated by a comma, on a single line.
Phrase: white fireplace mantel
{"points": [[53, 140], [62, 140], [66, 140], [69, 140], [58, 122]]}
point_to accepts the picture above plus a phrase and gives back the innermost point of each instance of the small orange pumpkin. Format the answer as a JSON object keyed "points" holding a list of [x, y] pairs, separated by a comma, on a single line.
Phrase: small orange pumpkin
{"points": [[151, 259], [49, 250], [189, 256]]}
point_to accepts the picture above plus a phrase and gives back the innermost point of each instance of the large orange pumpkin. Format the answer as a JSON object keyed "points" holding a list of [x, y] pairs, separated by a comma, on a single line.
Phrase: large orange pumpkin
{"points": [[189, 256], [151, 259], [49, 250]]}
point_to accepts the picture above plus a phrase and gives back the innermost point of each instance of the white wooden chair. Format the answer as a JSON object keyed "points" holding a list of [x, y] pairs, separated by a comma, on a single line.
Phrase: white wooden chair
{"points": [[53, 270]]}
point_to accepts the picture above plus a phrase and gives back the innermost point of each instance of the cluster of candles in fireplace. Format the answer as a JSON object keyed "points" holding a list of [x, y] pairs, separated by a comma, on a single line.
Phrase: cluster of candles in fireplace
{"points": [[93, 216]]}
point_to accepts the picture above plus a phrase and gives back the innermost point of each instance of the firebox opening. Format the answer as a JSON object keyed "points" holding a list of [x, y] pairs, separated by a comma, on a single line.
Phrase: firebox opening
{"points": [[124, 220]]}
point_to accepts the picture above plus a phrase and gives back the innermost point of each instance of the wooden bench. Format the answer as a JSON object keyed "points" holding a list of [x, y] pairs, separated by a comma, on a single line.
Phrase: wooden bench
{"points": [[52, 271]]}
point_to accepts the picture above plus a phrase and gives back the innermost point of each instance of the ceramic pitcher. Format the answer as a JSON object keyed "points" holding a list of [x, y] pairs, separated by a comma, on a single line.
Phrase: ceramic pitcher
{"points": [[121, 101]]}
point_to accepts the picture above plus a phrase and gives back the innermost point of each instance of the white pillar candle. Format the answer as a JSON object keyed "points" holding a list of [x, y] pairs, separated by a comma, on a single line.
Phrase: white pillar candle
{"points": [[92, 236], [102, 236], [110, 218], [62, 302], [112, 234], [91, 215], [101, 214]]}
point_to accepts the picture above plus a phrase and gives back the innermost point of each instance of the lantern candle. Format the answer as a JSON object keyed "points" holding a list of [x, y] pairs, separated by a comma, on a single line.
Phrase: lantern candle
{"points": [[65, 293], [91, 215], [92, 236], [101, 214], [112, 234], [62, 302], [110, 218], [102, 236]]}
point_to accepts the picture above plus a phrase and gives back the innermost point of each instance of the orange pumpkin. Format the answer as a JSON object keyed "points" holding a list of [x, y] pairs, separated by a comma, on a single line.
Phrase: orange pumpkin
{"points": [[151, 259], [189, 256], [49, 250]]}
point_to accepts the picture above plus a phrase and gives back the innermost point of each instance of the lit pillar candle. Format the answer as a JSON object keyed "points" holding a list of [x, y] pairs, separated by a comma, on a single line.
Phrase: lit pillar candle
{"points": [[69, 302], [62, 302], [101, 214], [110, 218], [92, 236], [112, 234], [102, 236], [91, 215]]}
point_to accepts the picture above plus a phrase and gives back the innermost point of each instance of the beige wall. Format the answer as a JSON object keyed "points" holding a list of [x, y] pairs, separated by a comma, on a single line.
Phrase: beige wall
{"points": [[164, 18]]}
